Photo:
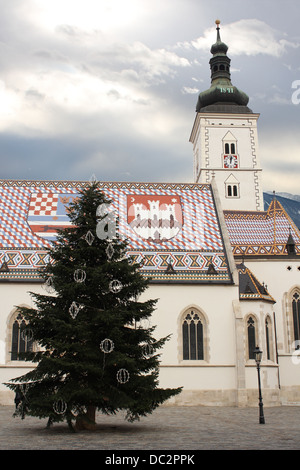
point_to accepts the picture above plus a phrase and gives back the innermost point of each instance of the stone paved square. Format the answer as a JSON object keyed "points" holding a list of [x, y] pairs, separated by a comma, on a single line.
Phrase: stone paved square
{"points": [[167, 429]]}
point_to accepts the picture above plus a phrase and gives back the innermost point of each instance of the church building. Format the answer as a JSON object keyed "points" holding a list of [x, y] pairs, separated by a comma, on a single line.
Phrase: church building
{"points": [[226, 272]]}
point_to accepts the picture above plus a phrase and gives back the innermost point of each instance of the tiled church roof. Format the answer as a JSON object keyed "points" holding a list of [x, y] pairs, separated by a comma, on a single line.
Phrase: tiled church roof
{"points": [[186, 246], [250, 288], [263, 233]]}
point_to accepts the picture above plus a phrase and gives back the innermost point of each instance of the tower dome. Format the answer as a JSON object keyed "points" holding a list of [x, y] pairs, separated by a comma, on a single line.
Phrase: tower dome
{"points": [[222, 96]]}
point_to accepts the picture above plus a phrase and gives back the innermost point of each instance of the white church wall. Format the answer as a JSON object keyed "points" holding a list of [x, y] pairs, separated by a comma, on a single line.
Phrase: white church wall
{"points": [[214, 301], [214, 379], [12, 295], [216, 373], [269, 385], [259, 311], [282, 278]]}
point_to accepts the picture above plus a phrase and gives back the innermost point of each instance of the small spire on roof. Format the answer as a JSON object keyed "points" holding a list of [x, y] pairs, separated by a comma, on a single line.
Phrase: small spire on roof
{"points": [[218, 30], [290, 244], [4, 267]]}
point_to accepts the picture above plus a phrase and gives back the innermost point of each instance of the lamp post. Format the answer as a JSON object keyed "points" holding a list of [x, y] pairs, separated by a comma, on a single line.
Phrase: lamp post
{"points": [[258, 356]]}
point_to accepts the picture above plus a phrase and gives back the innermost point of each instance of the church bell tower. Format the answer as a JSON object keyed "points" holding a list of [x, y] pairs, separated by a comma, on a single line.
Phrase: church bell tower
{"points": [[224, 138]]}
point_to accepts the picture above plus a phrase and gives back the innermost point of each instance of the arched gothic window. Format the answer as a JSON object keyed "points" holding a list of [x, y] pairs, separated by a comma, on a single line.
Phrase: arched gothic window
{"points": [[296, 315], [267, 326], [192, 336], [21, 338], [251, 332]]}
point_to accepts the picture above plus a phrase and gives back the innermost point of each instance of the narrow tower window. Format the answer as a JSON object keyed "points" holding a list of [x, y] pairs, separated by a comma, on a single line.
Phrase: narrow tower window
{"points": [[251, 337], [268, 339], [296, 316], [232, 190]]}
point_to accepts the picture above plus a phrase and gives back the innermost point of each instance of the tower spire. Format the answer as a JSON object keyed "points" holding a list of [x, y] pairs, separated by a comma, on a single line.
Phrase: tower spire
{"points": [[218, 22], [221, 94], [220, 63]]}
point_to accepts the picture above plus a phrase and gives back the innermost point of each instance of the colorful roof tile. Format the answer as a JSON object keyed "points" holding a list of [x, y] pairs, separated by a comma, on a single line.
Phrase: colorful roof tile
{"points": [[261, 233], [250, 288], [172, 229]]}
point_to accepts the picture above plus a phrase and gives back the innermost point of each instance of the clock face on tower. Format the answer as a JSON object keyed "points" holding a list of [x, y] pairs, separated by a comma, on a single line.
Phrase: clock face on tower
{"points": [[230, 161]]}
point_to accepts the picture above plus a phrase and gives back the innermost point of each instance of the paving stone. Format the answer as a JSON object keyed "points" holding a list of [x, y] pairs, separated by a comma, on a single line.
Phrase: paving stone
{"points": [[167, 428]]}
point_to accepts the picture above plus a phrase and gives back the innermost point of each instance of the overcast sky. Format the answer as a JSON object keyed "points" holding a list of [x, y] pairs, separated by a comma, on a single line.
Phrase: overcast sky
{"points": [[109, 87]]}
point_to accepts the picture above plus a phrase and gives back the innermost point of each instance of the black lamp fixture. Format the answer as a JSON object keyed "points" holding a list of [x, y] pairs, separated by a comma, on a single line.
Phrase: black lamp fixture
{"points": [[258, 357]]}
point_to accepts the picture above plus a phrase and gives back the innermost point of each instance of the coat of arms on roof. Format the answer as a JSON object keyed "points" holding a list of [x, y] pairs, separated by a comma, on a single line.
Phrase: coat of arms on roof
{"points": [[172, 230], [48, 212], [155, 217]]}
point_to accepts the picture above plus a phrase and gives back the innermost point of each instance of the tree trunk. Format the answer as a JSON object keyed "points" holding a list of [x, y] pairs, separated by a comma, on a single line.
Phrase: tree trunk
{"points": [[87, 421]]}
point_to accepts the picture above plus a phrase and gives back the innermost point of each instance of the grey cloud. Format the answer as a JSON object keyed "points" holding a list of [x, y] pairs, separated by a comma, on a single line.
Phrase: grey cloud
{"points": [[50, 55], [35, 94], [249, 37], [123, 103]]}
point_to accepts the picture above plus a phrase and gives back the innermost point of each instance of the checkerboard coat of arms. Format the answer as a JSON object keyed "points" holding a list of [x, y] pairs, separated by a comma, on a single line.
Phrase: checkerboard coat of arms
{"points": [[48, 212], [155, 217]]}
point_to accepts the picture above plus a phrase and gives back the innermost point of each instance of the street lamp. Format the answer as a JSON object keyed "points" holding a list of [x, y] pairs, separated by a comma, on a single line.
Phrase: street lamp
{"points": [[257, 357]]}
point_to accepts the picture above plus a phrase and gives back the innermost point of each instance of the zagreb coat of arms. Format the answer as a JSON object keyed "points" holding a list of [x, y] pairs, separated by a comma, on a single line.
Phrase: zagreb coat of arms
{"points": [[155, 217]]}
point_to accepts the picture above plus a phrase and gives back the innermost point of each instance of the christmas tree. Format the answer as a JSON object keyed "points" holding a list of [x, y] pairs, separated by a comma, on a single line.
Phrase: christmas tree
{"points": [[95, 348]]}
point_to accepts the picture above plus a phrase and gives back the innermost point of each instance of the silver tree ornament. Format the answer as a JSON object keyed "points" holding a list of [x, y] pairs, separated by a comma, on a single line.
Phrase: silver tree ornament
{"points": [[107, 346], [79, 276], [115, 286], [60, 407], [123, 376]]}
